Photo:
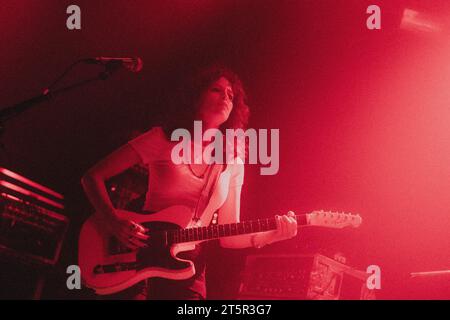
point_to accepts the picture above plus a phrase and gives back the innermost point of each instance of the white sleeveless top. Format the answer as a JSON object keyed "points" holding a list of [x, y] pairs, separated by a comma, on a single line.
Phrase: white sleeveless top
{"points": [[174, 184]]}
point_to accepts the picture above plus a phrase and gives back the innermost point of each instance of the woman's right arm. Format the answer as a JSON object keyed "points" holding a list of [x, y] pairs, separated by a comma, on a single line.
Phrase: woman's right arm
{"points": [[93, 182]]}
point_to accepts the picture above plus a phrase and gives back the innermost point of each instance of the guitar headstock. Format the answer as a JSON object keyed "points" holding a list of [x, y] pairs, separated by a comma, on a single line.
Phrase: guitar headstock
{"points": [[335, 220]]}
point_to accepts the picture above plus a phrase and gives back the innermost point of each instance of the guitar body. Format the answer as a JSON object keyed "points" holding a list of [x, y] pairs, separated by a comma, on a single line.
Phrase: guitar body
{"points": [[108, 268]]}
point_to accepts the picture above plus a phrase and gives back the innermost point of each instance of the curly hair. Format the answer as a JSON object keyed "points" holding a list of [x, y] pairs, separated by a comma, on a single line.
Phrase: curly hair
{"points": [[184, 102]]}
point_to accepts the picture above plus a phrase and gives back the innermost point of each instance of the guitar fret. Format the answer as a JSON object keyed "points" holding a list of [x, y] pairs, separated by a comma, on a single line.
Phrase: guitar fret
{"points": [[227, 229], [273, 224], [216, 231], [223, 230]]}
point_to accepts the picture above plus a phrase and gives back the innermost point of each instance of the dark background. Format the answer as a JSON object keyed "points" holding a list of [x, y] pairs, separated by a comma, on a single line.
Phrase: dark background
{"points": [[362, 115]]}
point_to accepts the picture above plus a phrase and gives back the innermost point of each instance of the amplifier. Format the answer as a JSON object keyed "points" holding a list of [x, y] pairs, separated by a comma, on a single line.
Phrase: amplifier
{"points": [[301, 277], [32, 224]]}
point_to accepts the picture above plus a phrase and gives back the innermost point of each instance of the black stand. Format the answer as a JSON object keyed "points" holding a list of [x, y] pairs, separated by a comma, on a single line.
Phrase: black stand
{"points": [[13, 111]]}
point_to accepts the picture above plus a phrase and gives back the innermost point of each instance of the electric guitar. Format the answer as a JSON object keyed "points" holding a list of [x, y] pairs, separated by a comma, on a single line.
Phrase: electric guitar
{"points": [[108, 267]]}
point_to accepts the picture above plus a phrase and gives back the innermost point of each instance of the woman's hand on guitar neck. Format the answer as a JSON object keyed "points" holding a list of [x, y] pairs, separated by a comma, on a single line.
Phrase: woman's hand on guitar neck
{"points": [[129, 233], [286, 228]]}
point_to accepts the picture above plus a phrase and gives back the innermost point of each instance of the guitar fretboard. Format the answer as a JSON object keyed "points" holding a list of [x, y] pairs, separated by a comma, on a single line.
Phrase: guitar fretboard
{"points": [[226, 230]]}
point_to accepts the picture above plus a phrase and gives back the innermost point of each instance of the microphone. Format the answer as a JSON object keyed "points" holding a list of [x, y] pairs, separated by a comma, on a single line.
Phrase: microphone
{"points": [[133, 64]]}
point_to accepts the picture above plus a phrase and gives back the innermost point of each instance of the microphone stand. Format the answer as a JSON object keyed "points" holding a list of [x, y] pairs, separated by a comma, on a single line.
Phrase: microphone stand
{"points": [[15, 110]]}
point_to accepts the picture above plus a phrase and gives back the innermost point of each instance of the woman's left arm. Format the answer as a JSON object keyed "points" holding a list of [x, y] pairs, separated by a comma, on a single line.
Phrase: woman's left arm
{"points": [[230, 213]]}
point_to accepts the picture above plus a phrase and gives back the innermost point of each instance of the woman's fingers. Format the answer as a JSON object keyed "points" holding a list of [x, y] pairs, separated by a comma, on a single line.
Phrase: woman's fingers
{"points": [[126, 242], [136, 238], [287, 225], [278, 221], [139, 235], [137, 242], [141, 228], [292, 227], [130, 234], [284, 225], [130, 239], [135, 230], [292, 223]]}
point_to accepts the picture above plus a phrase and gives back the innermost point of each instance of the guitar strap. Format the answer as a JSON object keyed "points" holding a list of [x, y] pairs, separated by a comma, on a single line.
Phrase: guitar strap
{"points": [[212, 178]]}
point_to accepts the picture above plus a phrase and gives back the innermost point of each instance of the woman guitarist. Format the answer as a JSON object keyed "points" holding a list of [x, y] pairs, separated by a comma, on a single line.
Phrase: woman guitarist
{"points": [[215, 97]]}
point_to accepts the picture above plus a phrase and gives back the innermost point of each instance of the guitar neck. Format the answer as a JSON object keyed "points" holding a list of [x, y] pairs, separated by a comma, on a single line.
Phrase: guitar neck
{"points": [[227, 230]]}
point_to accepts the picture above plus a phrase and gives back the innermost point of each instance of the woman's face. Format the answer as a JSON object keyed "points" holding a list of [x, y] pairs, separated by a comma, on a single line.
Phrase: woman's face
{"points": [[216, 103]]}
